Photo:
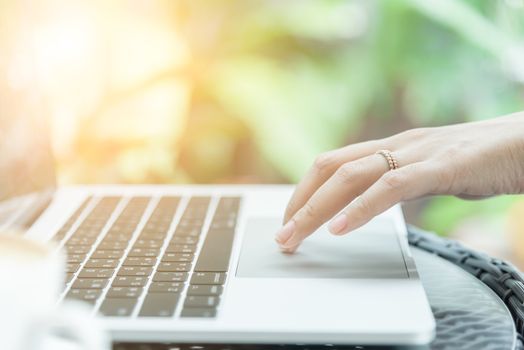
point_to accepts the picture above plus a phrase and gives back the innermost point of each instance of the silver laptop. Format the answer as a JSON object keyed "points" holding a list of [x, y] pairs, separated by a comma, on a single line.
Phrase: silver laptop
{"points": [[199, 263]]}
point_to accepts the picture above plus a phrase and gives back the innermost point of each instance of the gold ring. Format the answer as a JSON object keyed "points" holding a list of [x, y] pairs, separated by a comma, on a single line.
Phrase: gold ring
{"points": [[392, 162]]}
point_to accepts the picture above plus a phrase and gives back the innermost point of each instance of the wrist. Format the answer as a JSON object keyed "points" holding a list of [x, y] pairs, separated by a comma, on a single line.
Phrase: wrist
{"points": [[517, 151]]}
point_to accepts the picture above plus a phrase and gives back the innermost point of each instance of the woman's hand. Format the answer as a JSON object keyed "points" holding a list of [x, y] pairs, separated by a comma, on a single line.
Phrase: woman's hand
{"points": [[472, 160]]}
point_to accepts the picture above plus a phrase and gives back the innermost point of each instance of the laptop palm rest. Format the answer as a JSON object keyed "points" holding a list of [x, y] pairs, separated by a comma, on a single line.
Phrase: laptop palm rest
{"points": [[369, 252]]}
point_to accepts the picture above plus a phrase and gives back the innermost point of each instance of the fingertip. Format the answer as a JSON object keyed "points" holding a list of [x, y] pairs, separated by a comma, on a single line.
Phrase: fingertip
{"points": [[338, 225], [289, 251], [338, 233], [293, 242], [286, 232]]}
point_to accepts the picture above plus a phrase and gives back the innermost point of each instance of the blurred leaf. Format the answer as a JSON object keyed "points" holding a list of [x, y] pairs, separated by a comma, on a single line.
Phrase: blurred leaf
{"points": [[467, 22], [445, 213], [297, 109]]}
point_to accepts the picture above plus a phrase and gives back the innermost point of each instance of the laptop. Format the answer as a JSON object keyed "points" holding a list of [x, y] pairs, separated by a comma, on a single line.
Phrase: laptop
{"points": [[199, 263]]}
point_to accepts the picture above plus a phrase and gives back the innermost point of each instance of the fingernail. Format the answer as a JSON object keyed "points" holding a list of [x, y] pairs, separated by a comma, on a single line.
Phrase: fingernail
{"points": [[288, 250], [285, 233], [338, 224]]}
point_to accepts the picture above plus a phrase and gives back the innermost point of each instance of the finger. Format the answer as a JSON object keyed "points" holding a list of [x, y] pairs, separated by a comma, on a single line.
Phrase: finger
{"points": [[350, 180], [323, 168], [409, 182]]}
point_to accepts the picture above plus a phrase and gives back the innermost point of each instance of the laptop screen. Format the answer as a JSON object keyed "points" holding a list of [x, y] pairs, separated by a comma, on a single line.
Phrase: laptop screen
{"points": [[26, 163]]}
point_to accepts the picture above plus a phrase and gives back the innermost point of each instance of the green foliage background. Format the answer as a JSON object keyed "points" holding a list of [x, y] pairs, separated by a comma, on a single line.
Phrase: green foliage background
{"points": [[308, 76]]}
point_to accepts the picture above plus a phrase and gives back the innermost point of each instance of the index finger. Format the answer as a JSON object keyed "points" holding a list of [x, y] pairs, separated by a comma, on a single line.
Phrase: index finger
{"points": [[323, 168], [349, 181]]}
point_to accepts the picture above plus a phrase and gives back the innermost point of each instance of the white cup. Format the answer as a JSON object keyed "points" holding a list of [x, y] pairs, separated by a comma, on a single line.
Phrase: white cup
{"points": [[31, 278]]}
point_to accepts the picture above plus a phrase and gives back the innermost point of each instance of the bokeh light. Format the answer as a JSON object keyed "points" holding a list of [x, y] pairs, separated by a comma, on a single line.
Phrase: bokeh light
{"points": [[216, 91]]}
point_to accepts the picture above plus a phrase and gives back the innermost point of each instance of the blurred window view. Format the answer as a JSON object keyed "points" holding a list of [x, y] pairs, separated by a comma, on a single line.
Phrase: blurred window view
{"points": [[250, 91]]}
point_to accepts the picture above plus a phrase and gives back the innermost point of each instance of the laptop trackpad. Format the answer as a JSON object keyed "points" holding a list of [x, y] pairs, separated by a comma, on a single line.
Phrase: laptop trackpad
{"points": [[369, 252]]}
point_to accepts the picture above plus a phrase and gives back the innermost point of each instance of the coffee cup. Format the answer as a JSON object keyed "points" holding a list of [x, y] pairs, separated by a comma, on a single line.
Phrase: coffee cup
{"points": [[32, 276]]}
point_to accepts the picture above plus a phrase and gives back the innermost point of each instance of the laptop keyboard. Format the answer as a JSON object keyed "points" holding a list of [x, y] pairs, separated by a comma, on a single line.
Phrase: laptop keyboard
{"points": [[149, 261]]}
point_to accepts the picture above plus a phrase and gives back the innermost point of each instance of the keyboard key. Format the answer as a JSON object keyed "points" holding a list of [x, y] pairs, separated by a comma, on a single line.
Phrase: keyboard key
{"points": [[78, 241], [201, 301], [219, 224], [156, 227], [107, 254], [227, 206], [208, 278], [216, 251], [89, 231], [165, 287], [77, 250], [148, 243], [170, 277], [112, 245], [199, 202], [181, 248], [90, 283], [183, 240], [188, 232], [96, 273], [174, 267], [198, 312], [121, 231], [159, 305], [201, 289], [120, 238], [119, 307], [89, 295], [124, 292], [178, 257], [135, 271], [154, 235], [140, 261], [160, 217], [191, 222], [102, 263], [192, 213], [144, 252], [76, 258], [130, 281], [183, 226]]}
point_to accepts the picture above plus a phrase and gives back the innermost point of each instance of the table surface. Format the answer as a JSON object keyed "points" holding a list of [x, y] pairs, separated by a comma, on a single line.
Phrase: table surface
{"points": [[469, 315]]}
